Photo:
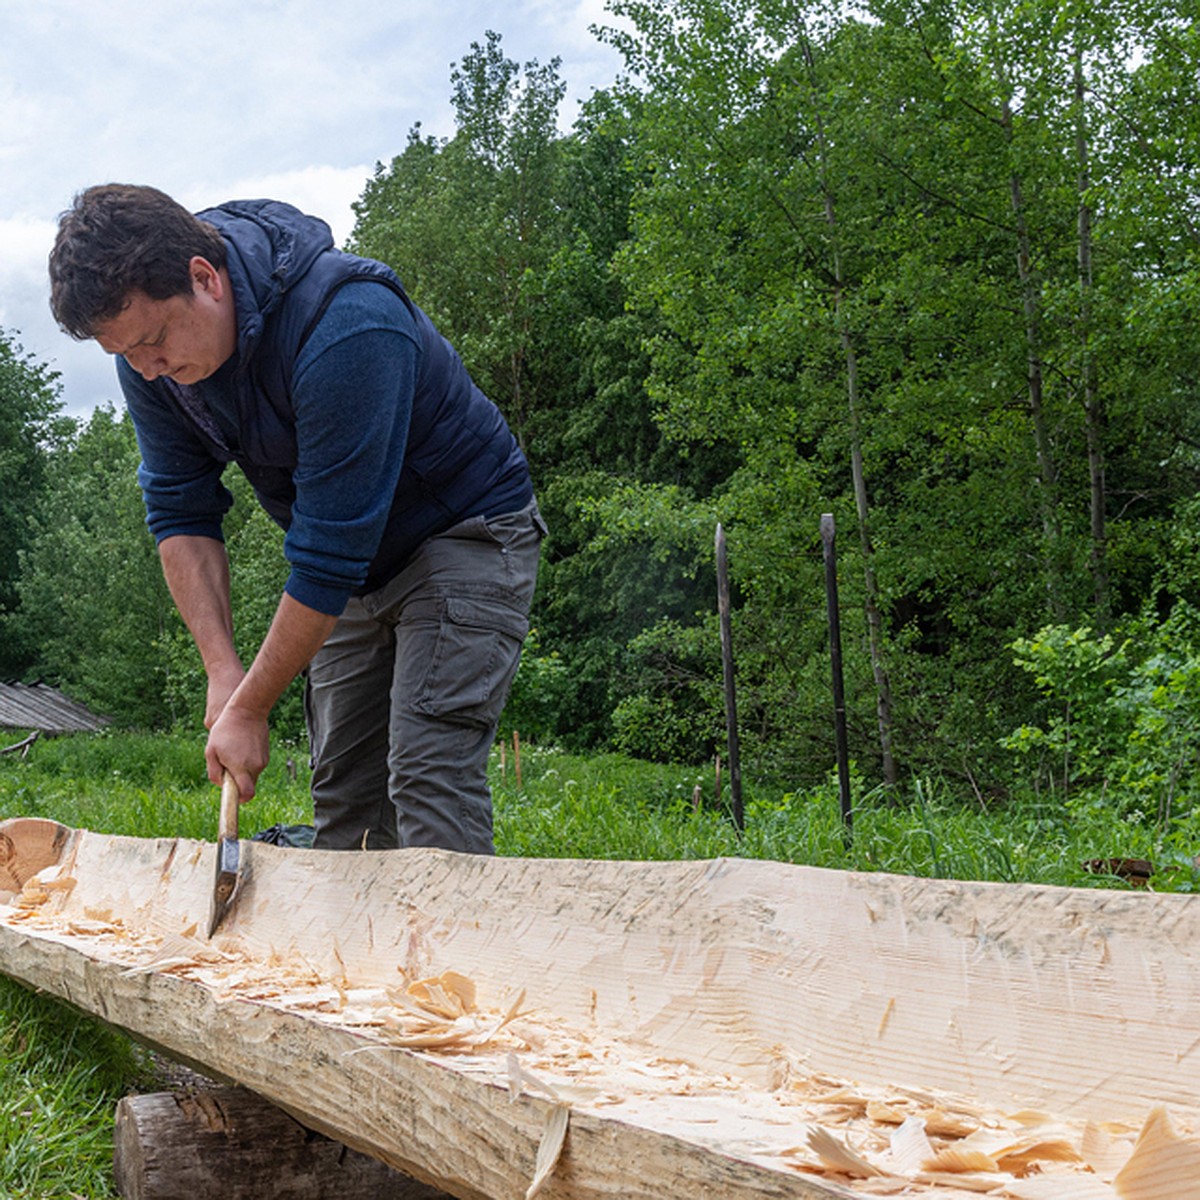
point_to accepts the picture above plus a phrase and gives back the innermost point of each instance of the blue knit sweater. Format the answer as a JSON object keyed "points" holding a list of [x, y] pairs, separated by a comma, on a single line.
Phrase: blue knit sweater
{"points": [[355, 421]]}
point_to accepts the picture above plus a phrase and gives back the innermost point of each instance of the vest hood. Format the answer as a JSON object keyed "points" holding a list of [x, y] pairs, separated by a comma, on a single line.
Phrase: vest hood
{"points": [[270, 246]]}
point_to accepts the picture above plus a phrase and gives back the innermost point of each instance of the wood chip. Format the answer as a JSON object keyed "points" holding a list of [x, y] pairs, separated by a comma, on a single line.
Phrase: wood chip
{"points": [[1163, 1165], [1104, 1152], [838, 1156], [550, 1147], [909, 1147], [960, 1160]]}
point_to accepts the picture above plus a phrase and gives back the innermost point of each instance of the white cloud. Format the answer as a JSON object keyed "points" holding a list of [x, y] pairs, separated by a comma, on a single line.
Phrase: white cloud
{"points": [[86, 372], [326, 192], [217, 99]]}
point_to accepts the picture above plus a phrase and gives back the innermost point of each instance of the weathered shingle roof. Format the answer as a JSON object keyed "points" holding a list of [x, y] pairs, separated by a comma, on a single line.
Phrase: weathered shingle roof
{"points": [[39, 706]]}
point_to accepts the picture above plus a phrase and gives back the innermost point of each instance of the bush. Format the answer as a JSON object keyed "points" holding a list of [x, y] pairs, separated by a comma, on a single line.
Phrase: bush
{"points": [[1123, 715]]}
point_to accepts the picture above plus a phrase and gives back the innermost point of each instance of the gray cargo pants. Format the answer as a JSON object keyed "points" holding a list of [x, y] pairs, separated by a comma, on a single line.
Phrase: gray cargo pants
{"points": [[404, 698]]}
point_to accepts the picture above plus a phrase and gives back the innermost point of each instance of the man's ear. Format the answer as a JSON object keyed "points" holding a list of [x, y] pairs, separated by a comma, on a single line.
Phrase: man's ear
{"points": [[205, 277]]}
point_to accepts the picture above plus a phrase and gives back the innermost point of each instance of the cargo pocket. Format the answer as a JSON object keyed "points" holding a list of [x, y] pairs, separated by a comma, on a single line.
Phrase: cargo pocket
{"points": [[474, 659]]}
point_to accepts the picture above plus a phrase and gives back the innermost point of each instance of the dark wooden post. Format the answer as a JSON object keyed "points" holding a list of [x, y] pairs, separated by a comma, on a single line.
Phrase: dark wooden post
{"points": [[735, 767], [828, 539]]}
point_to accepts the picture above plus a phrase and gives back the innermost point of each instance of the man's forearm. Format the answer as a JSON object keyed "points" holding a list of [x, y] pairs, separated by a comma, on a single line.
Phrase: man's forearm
{"points": [[297, 632], [238, 742], [197, 574]]}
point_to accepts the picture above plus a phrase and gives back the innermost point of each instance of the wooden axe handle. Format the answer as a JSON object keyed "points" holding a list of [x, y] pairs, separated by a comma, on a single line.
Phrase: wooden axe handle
{"points": [[227, 829]]}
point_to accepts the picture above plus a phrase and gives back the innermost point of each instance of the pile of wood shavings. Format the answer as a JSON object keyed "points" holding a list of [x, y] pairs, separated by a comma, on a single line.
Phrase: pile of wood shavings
{"points": [[436, 1013], [909, 1142]]}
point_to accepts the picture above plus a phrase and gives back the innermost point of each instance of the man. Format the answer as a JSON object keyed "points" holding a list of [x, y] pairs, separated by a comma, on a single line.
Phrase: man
{"points": [[244, 336]]}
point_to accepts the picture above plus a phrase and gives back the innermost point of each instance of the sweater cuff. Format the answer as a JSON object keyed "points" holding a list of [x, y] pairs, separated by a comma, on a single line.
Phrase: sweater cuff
{"points": [[163, 527], [320, 597]]}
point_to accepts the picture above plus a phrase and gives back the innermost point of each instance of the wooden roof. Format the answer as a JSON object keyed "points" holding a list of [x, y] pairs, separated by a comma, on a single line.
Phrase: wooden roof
{"points": [[41, 707]]}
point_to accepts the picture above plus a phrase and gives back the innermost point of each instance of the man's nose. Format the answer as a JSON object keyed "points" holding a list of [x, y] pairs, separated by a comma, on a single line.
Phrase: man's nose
{"points": [[148, 364]]}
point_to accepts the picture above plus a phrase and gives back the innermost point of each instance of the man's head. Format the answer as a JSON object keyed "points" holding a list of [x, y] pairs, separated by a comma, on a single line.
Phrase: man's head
{"points": [[138, 272]]}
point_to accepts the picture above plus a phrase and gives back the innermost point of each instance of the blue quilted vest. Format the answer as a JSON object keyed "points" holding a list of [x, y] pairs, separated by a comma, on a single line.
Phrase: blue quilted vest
{"points": [[284, 271]]}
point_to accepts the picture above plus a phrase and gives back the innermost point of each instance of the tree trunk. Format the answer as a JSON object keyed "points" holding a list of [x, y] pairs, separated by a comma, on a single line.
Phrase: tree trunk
{"points": [[883, 688], [637, 1029], [1031, 305], [1093, 407]]}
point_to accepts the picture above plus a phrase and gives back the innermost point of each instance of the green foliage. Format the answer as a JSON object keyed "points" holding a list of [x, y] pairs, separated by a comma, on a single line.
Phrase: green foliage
{"points": [[538, 692], [30, 425], [639, 557], [92, 597], [470, 224], [1123, 717], [834, 205]]}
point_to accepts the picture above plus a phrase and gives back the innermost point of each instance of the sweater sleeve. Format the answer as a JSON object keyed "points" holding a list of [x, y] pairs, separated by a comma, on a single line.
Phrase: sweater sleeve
{"points": [[352, 392], [180, 478]]}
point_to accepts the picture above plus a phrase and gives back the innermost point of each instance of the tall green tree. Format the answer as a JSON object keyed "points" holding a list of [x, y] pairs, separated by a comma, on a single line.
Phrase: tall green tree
{"points": [[471, 224], [30, 425], [92, 598], [755, 247]]}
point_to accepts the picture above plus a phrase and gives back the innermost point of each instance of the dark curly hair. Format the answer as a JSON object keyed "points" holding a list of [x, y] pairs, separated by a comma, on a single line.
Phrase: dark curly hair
{"points": [[120, 238]]}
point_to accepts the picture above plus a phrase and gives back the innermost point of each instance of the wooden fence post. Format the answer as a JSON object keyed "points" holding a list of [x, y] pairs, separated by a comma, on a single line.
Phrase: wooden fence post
{"points": [[723, 607]]}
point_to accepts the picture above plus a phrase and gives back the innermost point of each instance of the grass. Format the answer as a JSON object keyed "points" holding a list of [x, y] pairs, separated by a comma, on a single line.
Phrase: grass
{"points": [[61, 1074], [615, 808]]}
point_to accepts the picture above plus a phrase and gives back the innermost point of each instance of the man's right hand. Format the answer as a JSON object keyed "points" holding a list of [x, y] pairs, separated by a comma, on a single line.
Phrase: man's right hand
{"points": [[240, 744]]}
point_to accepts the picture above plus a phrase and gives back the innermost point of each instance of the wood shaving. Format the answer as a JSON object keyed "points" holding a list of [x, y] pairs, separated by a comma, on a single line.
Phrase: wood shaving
{"points": [[838, 1156], [549, 1148], [519, 1079], [1163, 1165]]}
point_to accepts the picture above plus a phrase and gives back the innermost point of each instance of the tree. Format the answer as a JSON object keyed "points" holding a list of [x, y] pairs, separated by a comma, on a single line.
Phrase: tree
{"points": [[750, 248], [30, 425], [92, 598], [471, 224]]}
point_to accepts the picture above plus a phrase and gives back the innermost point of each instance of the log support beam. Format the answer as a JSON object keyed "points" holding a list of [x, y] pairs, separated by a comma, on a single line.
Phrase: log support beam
{"points": [[232, 1144]]}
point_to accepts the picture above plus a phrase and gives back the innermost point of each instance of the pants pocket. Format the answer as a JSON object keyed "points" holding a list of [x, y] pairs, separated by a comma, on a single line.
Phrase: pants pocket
{"points": [[473, 661]]}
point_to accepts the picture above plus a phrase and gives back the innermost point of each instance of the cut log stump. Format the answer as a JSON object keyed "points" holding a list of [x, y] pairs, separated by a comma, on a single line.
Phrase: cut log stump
{"points": [[230, 1143]]}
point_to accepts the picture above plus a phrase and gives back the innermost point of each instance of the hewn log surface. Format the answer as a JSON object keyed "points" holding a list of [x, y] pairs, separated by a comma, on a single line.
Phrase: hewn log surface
{"points": [[700, 1020], [229, 1144]]}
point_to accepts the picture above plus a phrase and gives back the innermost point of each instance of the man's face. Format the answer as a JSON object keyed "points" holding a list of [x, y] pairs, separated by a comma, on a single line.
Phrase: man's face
{"points": [[185, 338]]}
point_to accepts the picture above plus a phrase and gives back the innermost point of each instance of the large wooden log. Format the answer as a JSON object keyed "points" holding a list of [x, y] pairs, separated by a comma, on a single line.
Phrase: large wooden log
{"points": [[231, 1144], [726, 1029]]}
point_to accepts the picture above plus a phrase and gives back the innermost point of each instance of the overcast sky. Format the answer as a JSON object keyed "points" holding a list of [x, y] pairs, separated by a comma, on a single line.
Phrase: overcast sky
{"points": [[213, 100]]}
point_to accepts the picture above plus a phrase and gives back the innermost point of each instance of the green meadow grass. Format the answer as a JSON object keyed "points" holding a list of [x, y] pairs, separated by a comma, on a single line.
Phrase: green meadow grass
{"points": [[61, 1074]]}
